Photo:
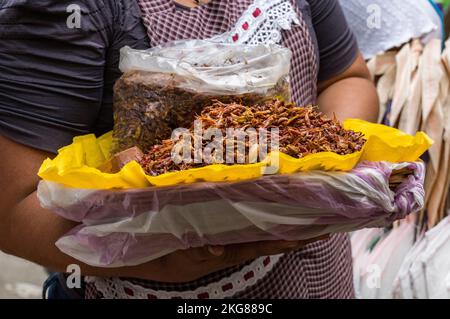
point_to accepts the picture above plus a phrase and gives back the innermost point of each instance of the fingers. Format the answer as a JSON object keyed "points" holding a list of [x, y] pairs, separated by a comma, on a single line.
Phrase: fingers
{"points": [[204, 253], [197, 262], [240, 253], [216, 250], [246, 252]]}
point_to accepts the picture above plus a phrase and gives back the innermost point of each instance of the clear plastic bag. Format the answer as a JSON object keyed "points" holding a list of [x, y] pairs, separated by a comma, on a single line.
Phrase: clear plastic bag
{"points": [[164, 87], [133, 226]]}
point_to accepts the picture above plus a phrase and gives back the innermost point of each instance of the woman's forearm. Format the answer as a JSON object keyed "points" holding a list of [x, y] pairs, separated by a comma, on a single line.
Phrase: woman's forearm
{"points": [[352, 97], [32, 232], [29, 231]]}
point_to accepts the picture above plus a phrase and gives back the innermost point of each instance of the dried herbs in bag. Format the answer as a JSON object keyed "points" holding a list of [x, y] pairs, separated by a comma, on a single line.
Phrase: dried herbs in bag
{"points": [[165, 87]]}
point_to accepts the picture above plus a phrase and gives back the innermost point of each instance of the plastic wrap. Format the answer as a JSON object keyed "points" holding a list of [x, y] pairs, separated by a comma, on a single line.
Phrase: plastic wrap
{"points": [[129, 227], [164, 87]]}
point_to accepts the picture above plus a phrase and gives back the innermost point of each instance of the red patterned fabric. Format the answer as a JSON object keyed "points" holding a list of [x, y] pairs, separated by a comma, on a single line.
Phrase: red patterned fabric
{"points": [[166, 22], [322, 269]]}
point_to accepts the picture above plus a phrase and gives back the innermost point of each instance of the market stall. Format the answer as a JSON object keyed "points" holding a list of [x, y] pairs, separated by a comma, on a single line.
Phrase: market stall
{"points": [[411, 259]]}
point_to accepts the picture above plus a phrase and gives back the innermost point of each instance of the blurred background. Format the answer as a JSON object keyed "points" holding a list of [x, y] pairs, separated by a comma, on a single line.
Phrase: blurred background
{"points": [[20, 278]]}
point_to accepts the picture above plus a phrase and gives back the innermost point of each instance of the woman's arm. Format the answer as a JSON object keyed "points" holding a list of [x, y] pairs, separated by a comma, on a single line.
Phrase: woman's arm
{"points": [[345, 86], [350, 94], [29, 231]]}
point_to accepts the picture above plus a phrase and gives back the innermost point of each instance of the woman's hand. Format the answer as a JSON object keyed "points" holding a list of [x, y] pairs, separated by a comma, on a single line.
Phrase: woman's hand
{"points": [[29, 231], [192, 264]]}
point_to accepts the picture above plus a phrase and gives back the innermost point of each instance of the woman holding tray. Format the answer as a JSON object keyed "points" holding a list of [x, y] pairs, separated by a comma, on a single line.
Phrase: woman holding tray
{"points": [[58, 65]]}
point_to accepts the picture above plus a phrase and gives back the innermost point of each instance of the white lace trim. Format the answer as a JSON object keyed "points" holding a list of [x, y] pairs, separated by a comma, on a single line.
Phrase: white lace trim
{"points": [[115, 288], [263, 22]]}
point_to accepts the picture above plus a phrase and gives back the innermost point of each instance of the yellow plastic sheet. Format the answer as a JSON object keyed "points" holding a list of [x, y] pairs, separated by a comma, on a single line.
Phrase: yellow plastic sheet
{"points": [[75, 165]]}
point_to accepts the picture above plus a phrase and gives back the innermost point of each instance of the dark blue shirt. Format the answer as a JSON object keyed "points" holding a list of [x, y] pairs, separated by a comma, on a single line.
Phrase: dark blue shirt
{"points": [[57, 82]]}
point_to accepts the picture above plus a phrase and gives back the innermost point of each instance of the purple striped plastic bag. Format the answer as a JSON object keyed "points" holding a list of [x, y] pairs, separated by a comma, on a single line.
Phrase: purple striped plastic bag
{"points": [[130, 227]]}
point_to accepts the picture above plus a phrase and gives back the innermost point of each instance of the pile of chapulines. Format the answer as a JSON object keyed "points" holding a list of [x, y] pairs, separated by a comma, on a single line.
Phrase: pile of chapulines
{"points": [[302, 131]]}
